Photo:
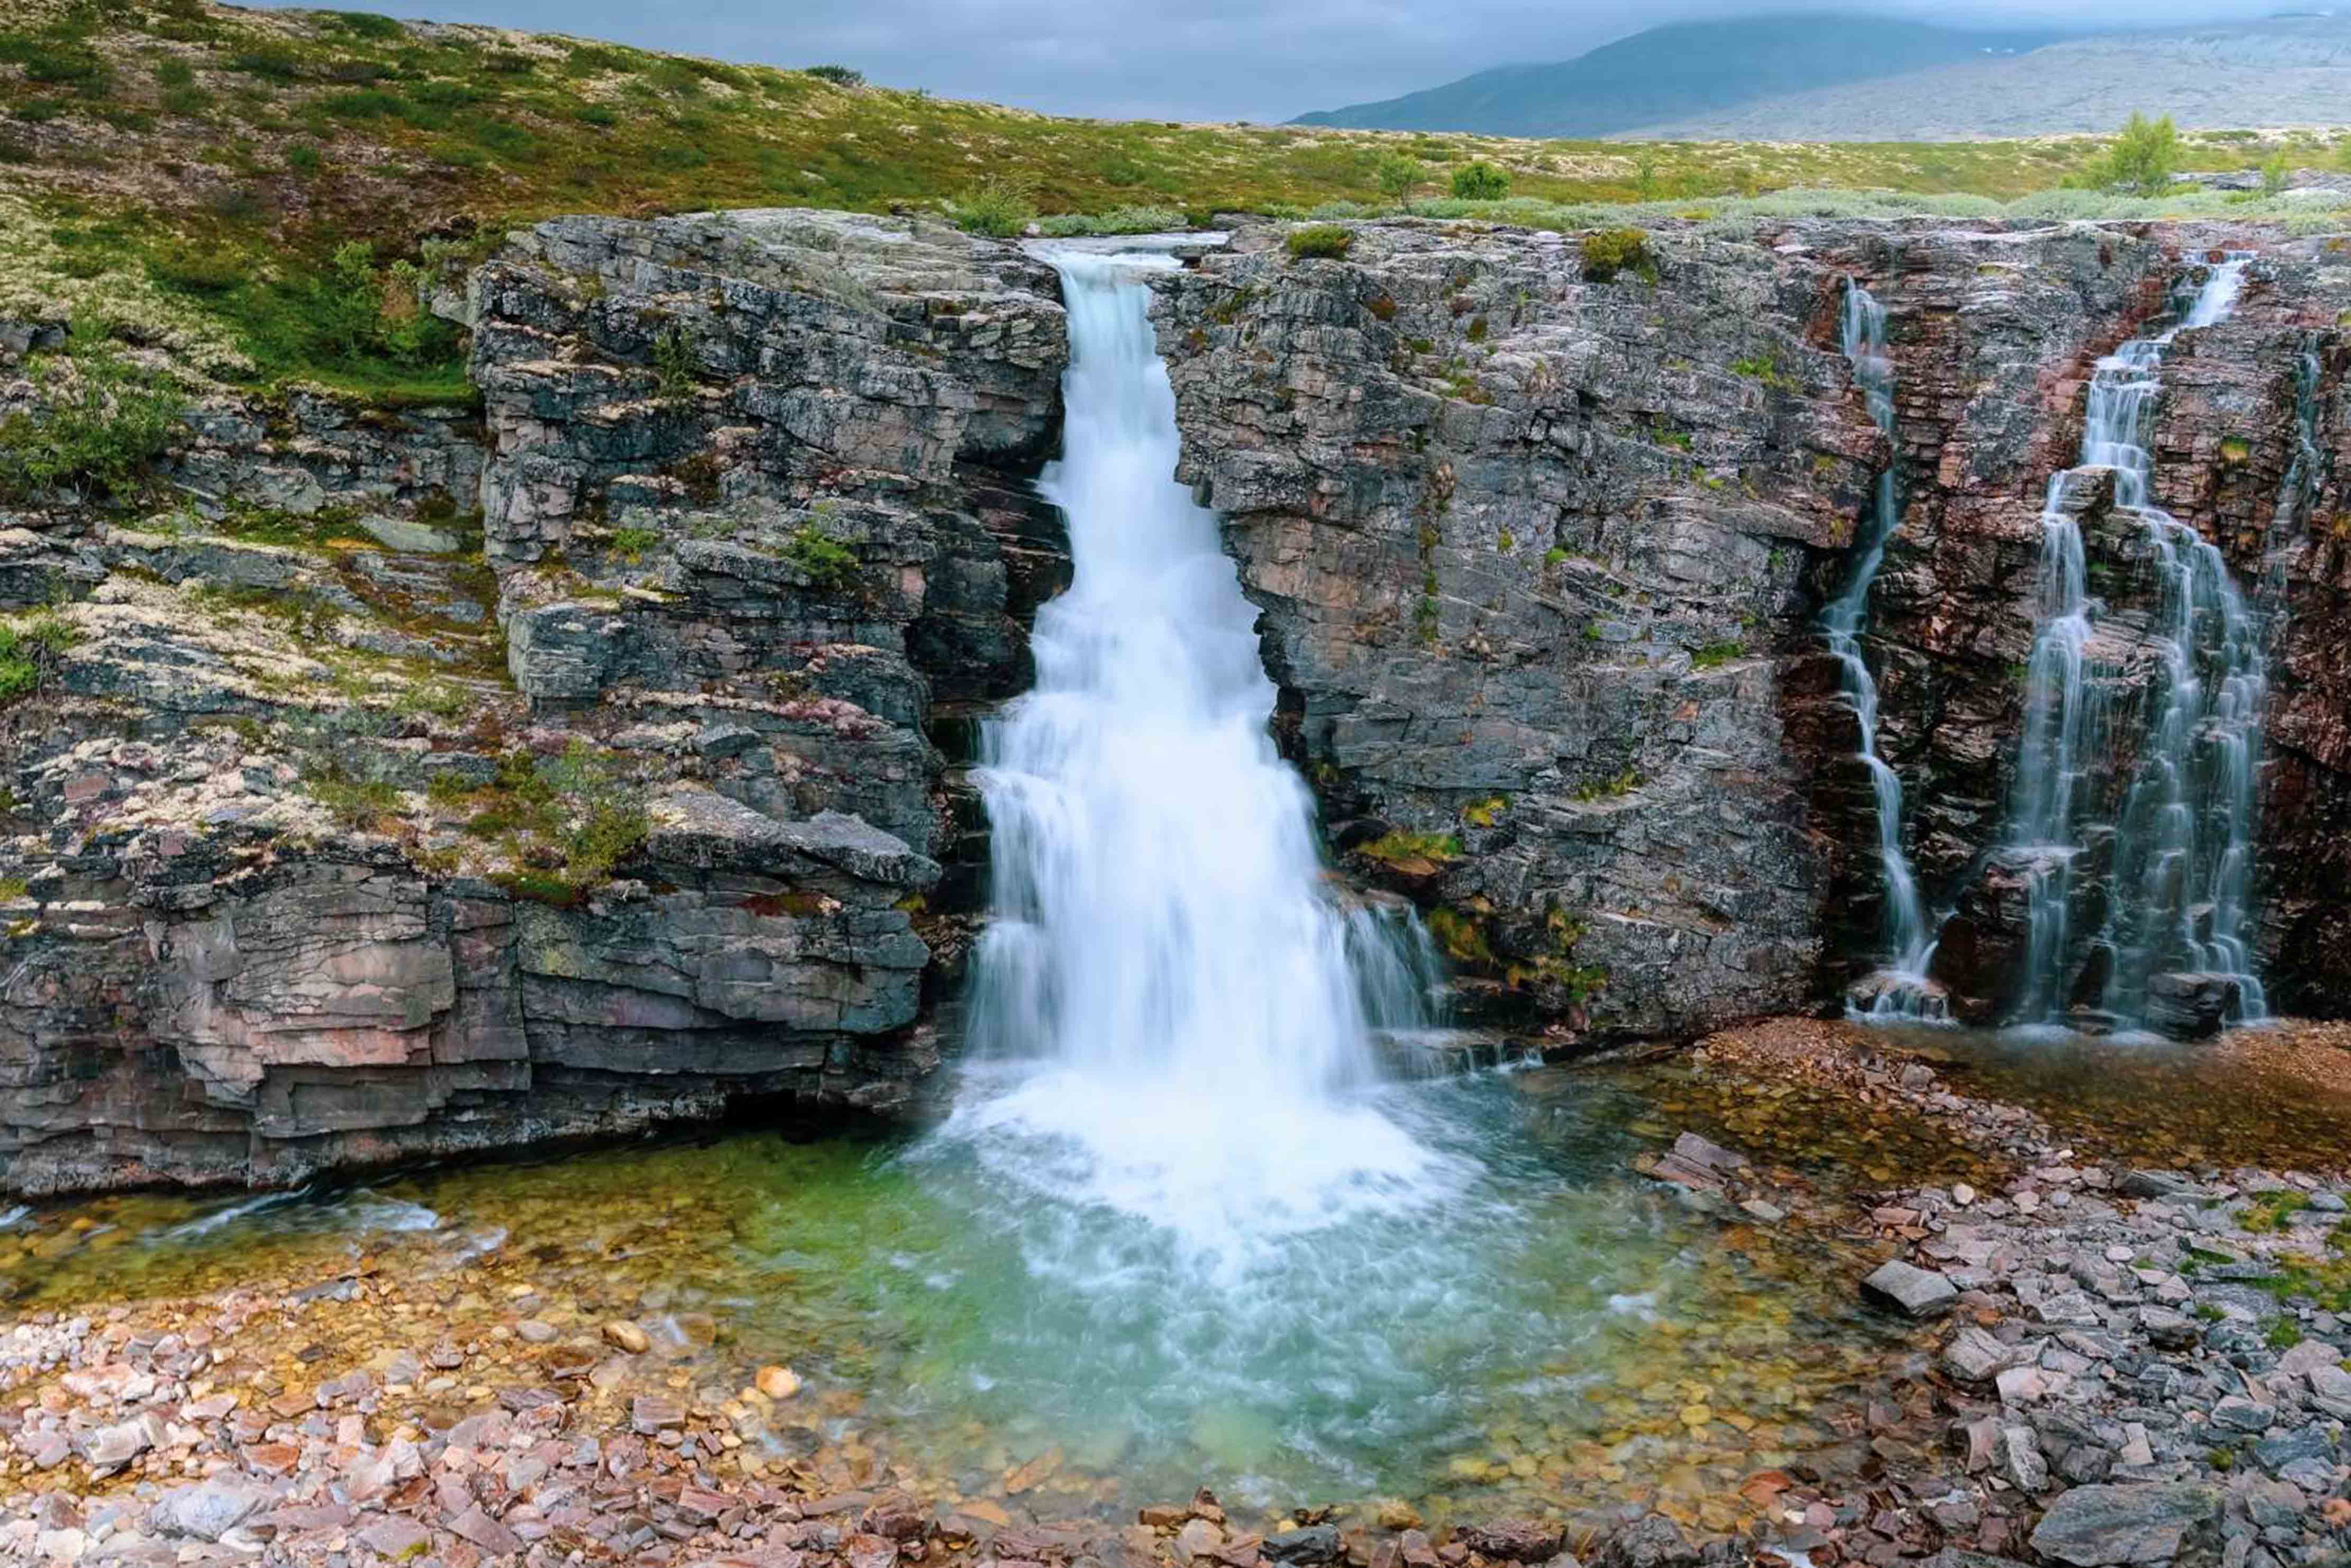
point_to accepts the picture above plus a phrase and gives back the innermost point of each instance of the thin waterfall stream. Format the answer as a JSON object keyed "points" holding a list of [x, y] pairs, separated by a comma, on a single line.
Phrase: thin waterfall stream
{"points": [[2177, 843], [1900, 989]]}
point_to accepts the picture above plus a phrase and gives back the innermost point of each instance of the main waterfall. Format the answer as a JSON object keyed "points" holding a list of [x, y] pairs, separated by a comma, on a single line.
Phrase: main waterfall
{"points": [[1184, 1006], [2179, 837], [1900, 988]]}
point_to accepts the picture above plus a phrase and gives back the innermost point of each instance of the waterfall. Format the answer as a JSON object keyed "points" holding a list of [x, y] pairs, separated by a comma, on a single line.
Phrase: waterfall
{"points": [[1182, 1006], [1901, 990], [2180, 837]]}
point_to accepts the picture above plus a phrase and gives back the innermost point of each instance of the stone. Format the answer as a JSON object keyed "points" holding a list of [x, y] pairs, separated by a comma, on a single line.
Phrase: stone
{"points": [[1652, 1541], [205, 1512], [2113, 1525], [2241, 1415], [1512, 1540], [1918, 1293], [408, 534], [627, 1336], [2022, 1460], [1198, 1539], [777, 1381], [531, 1331], [477, 1525], [118, 1443], [396, 1536], [1976, 1355], [1311, 1546]]}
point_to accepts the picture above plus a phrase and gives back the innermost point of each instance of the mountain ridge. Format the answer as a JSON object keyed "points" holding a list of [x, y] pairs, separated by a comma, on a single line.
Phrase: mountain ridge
{"points": [[1680, 69]]}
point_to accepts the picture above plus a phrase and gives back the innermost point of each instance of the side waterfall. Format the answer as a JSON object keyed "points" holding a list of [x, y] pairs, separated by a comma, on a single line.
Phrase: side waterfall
{"points": [[2180, 837], [1900, 990], [1184, 1004]]}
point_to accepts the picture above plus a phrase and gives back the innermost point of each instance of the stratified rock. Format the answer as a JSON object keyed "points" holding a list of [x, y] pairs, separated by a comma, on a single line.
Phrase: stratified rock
{"points": [[2109, 1526], [2191, 1006], [1920, 1293]]}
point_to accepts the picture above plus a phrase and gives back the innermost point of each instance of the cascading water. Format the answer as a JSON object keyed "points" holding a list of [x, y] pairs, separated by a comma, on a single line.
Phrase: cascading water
{"points": [[2180, 837], [1190, 1009], [1901, 990]]}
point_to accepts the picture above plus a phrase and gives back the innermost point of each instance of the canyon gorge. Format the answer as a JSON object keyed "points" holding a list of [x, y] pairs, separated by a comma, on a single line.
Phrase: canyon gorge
{"points": [[743, 546]]}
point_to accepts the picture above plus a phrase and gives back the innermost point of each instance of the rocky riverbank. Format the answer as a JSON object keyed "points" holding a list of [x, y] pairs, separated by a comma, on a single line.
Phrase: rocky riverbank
{"points": [[2121, 1363]]}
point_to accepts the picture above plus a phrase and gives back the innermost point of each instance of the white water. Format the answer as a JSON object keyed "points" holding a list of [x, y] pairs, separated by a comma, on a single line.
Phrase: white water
{"points": [[1182, 1011], [1907, 946], [2181, 834]]}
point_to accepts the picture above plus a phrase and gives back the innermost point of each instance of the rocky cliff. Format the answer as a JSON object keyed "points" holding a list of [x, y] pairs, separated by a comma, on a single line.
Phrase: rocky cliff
{"points": [[391, 780], [1542, 538]]}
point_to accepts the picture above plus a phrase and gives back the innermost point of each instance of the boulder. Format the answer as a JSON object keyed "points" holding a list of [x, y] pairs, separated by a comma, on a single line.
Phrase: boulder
{"points": [[2114, 1526]]}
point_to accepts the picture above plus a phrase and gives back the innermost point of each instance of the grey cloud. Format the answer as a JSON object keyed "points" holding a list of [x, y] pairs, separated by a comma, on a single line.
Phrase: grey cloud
{"points": [[1212, 60]]}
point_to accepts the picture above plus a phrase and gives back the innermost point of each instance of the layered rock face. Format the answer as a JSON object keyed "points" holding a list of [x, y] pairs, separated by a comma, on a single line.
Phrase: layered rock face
{"points": [[354, 824], [409, 780], [1542, 551]]}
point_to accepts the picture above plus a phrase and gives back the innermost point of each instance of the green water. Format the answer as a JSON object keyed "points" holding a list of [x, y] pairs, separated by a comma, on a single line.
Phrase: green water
{"points": [[1547, 1321]]}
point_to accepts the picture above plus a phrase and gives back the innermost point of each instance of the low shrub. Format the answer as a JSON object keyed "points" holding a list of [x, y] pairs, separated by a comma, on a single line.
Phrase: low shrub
{"points": [[1612, 252], [1480, 181], [1328, 242], [839, 75], [28, 653], [102, 421], [999, 209]]}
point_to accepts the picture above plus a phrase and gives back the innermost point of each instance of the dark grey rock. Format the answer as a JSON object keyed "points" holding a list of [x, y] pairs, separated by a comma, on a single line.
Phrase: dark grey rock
{"points": [[1906, 1287], [2108, 1526]]}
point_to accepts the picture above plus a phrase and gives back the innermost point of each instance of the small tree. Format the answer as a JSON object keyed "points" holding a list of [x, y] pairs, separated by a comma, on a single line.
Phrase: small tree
{"points": [[1480, 181], [2143, 157], [2276, 174], [1398, 176]]}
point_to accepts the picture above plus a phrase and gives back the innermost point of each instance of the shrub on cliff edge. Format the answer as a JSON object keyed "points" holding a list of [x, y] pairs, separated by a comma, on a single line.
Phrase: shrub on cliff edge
{"points": [[1328, 242]]}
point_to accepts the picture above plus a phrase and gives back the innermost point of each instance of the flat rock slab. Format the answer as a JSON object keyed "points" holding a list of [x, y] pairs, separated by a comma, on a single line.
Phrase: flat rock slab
{"points": [[2112, 1526], [1920, 1293]]}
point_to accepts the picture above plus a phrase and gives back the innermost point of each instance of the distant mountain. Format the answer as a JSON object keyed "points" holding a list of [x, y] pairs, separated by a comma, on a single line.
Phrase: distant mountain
{"points": [[1683, 69], [2282, 71]]}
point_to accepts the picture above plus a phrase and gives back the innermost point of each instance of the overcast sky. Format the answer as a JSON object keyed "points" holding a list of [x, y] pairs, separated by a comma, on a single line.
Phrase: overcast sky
{"points": [[1265, 60]]}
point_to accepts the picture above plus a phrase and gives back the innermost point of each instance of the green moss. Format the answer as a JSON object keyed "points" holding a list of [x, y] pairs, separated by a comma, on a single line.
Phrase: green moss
{"points": [[1401, 848], [1764, 367], [1714, 656], [1613, 788], [1459, 938], [829, 563], [2268, 1211], [1487, 812]]}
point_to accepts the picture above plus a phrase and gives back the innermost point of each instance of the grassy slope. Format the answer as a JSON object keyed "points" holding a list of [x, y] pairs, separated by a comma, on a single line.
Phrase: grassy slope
{"points": [[191, 169]]}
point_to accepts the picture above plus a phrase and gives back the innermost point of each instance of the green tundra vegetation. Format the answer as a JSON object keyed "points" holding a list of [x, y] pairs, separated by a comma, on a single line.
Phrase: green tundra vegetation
{"points": [[275, 192]]}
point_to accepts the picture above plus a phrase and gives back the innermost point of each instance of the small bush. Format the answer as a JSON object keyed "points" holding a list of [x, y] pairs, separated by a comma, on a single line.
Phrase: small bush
{"points": [[1615, 251], [1480, 181], [1398, 177], [271, 62], [2143, 157], [2276, 174], [1327, 242], [28, 653], [839, 75], [998, 208], [98, 429]]}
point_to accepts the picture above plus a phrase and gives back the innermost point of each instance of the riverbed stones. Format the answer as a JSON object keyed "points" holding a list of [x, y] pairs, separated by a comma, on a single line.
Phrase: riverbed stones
{"points": [[627, 1336], [778, 1381], [1975, 1354], [2114, 1526], [1910, 1289], [205, 1512]]}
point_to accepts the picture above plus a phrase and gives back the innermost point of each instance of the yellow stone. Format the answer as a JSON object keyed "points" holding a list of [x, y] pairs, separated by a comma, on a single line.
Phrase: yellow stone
{"points": [[778, 1381]]}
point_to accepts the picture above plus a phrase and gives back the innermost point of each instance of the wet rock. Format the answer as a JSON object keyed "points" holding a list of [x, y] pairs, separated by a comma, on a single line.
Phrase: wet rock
{"points": [[627, 1336], [778, 1381], [1516, 1540], [1653, 1540], [1311, 1546], [2190, 1006], [2110, 1526], [1906, 1287]]}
